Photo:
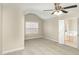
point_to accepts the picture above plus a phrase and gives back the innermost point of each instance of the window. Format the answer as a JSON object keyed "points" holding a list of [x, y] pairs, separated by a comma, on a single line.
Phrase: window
{"points": [[32, 27]]}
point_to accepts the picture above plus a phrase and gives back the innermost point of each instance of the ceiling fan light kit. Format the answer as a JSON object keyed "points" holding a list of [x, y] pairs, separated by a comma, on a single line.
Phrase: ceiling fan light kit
{"points": [[58, 13]]}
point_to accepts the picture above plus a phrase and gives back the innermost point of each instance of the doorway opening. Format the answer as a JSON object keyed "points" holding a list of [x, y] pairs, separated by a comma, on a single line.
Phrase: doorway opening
{"points": [[70, 32]]}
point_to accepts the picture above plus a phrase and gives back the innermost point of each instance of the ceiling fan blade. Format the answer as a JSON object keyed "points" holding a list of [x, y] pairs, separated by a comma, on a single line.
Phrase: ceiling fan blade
{"points": [[52, 13], [73, 6], [64, 11], [48, 10]]}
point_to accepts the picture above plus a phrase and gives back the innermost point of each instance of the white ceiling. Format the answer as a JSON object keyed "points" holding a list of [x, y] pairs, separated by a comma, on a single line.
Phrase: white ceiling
{"points": [[41, 6], [38, 8]]}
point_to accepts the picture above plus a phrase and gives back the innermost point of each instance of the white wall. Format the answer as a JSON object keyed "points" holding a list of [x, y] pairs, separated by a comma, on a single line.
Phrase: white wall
{"points": [[51, 29], [0, 28], [78, 32], [13, 28], [34, 18]]}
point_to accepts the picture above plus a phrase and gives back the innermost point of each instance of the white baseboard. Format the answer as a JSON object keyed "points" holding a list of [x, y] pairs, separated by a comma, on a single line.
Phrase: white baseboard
{"points": [[33, 38], [8, 51], [51, 39]]}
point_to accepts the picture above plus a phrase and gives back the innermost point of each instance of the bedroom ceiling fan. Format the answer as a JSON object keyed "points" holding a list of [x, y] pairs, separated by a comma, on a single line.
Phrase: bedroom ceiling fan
{"points": [[59, 9]]}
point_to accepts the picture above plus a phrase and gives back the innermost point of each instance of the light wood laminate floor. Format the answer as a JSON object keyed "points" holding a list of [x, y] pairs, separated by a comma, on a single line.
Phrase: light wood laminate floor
{"points": [[70, 40], [45, 47]]}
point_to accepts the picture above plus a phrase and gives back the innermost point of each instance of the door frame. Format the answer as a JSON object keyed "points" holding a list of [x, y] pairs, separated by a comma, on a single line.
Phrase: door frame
{"points": [[61, 31]]}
